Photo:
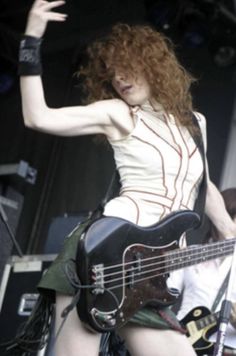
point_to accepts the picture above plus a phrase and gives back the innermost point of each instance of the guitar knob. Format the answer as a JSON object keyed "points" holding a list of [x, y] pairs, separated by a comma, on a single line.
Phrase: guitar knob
{"points": [[111, 322], [106, 319]]}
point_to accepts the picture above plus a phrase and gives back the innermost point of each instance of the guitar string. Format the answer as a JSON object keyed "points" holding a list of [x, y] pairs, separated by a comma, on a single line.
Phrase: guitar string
{"points": [[172, 255], [178, 252], [163, 269], [154, 275], [180, 264], [166, 269]]}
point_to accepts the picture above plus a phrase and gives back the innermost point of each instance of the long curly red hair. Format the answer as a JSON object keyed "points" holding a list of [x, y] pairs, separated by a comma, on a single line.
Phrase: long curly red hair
{"points": [[136, 50]]}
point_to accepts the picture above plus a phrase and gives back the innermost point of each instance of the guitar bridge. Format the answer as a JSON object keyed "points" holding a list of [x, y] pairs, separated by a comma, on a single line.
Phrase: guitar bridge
{"points": [[98, 279]]}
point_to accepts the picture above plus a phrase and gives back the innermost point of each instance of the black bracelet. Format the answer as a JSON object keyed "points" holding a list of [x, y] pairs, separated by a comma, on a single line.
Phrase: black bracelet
{"points": [[29, 56]]}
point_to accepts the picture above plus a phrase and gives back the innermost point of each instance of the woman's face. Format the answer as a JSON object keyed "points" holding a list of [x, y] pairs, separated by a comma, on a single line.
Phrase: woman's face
{"points": [[134, 91]]}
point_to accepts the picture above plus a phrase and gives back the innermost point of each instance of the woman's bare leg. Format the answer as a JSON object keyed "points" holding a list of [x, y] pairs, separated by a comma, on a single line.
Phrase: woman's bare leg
{"points": [[142, 341], [74, 339]]}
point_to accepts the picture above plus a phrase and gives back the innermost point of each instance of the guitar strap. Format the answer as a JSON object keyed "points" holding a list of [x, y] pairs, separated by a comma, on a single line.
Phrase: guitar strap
{"points": [[199, 206], [111, 188], [220, 292], [111, 192]]}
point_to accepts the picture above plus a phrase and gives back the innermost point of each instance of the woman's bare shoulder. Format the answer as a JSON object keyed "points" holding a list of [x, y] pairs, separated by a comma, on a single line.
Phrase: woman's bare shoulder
{"points": [[118, 111], [118, 104], [111, 107], [121, 118]]}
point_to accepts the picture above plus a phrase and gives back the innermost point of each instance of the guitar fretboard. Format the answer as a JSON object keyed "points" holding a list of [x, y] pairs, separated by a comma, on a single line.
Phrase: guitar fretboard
{"points": [[189, 256]]}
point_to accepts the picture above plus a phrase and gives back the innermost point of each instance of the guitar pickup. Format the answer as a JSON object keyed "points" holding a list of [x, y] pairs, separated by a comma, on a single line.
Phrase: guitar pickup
{"points": [[133, 274]]}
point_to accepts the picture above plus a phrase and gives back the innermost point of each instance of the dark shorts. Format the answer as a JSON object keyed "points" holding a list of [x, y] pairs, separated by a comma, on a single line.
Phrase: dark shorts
{"points": [[55, 280]]}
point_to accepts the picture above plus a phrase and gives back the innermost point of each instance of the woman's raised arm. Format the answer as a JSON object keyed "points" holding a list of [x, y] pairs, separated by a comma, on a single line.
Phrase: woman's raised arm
{"points": [[78, 120]]}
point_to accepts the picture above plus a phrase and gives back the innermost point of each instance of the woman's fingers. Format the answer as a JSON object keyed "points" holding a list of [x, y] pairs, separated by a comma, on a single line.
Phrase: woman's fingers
{"points": [[52, 15], [50, 4], [43, 7], [39, 15], [46, 5], [55, 16]]}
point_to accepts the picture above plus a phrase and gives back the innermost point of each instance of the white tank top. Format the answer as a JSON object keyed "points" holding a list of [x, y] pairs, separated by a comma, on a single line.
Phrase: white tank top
{"points": [[160, 168]]}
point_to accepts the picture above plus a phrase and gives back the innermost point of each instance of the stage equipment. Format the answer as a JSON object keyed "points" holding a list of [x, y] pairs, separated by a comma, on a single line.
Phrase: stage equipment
{"points": [[22, 169], [18, 293], [29, 174]]}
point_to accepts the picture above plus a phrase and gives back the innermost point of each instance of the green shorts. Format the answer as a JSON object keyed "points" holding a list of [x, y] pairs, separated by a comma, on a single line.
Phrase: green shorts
{"points": [[55, 280]]}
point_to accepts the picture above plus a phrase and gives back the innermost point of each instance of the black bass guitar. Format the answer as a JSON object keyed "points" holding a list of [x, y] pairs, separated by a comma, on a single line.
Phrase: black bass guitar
{"points": [[200, 324], [123, 267]]}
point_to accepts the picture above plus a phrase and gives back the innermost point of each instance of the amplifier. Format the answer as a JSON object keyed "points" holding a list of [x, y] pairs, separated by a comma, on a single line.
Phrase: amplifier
{"points": [[18, 292]]}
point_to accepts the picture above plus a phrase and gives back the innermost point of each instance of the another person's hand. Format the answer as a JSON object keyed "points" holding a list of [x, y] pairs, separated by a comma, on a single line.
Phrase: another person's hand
{"points": [[233, 315], [39, 15]]}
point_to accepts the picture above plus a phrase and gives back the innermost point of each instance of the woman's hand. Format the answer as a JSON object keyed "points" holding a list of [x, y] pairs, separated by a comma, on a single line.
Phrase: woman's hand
{"points": [[39, 15]]}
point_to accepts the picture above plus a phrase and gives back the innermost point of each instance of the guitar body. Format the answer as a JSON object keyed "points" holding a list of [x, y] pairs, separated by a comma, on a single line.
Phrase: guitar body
{"points": [[200, 324], [114, 261]]}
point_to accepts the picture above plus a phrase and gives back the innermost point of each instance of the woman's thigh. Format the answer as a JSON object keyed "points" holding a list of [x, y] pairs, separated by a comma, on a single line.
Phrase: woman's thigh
{"points": [[142, 341], [73, 338]]}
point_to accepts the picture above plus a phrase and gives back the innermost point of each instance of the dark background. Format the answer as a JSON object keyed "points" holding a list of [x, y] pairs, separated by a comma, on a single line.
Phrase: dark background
{"points": [[73, 173]]}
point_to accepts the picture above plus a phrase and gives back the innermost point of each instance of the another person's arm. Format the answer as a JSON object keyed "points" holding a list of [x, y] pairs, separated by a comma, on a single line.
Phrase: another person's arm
{"points": [[216, 211], [215, 207]]}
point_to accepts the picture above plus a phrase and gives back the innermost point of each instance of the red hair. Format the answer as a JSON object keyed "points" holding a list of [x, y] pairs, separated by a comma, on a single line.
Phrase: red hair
{"points": [[140, 50]]}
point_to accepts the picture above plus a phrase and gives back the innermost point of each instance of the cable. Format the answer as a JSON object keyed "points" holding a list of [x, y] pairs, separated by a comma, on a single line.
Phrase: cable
{"points": [[34, 333]]}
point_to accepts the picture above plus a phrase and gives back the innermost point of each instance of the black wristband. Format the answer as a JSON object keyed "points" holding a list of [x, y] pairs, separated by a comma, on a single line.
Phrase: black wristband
{"points": [[29, 56]]}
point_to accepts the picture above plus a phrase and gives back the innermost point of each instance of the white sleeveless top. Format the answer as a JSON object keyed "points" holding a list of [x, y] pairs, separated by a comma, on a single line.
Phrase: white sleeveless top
{"points": [[160, 168]]}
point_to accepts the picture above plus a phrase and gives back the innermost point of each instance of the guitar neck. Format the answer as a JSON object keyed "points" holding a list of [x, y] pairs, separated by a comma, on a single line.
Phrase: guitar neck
{"points": [[193, 255]]}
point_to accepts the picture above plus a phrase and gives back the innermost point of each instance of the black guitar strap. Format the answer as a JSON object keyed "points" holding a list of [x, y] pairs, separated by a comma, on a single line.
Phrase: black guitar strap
{"points": [[111, 188], [220, 292], [111, 192], [199, 206]]}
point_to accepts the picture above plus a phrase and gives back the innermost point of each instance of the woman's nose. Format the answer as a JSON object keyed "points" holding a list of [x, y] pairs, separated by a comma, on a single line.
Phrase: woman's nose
{"points": [[119, 77]]}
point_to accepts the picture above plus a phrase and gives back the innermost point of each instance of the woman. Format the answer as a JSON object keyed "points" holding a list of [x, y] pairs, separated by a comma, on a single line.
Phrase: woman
{"points": [[140, 100], [200, 284]]}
